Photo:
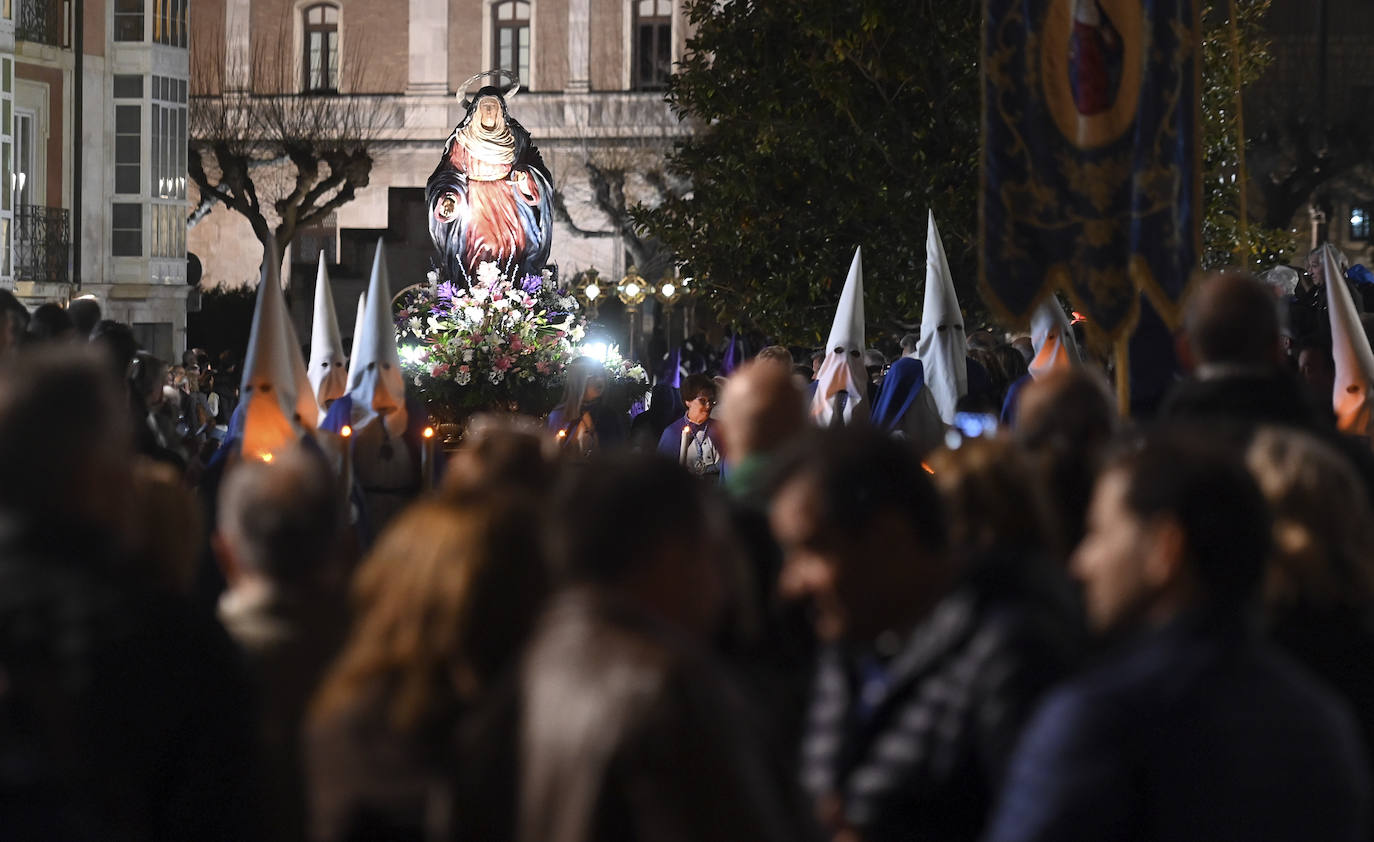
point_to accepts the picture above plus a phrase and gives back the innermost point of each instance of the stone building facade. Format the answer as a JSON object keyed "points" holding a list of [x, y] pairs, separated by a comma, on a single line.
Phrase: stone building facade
{"points": [[92, 158]]}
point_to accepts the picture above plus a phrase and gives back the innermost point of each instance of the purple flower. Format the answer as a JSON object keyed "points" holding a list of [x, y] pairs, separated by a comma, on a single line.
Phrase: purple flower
{"points": [[532, 284], [446, 291]]}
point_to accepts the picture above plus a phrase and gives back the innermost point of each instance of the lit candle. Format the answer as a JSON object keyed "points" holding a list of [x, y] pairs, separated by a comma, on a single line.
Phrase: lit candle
{"points": [[427, 460], [346, 468], [686, 438]]}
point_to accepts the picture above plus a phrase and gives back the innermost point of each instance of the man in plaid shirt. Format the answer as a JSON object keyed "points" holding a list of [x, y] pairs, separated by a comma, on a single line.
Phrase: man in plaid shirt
{"points": [[930, 664]]}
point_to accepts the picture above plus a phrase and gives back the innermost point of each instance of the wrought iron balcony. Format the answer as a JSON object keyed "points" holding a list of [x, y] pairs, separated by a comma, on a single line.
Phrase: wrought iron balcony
{"points": [[43, 22], [42, 244]]}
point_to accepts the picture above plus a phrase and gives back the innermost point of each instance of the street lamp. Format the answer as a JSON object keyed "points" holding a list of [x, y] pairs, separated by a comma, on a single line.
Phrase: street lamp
{"points": [[588, 288], [632, 290]]}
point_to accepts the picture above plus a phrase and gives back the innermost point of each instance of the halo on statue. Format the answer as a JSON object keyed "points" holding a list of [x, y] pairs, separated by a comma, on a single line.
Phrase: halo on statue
{"points": [[495, 76]]}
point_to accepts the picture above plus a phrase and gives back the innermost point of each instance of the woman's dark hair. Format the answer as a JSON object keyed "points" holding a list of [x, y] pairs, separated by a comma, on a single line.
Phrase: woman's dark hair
{"points": [[117, 341], [49, 321], [699, 385], [578, 372], [145, 373]]}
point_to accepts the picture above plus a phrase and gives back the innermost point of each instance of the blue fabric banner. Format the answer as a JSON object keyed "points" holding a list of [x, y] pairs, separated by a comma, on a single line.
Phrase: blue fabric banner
{"points": [[1091, 157]]}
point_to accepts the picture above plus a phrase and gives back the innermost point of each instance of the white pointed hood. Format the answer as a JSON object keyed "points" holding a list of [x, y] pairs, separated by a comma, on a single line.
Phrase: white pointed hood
{"points": [[278, 402], [357, 334], [943, 348], [843, 369], [1351, 397], [328, 366], [1052, 338], [374, 379]]}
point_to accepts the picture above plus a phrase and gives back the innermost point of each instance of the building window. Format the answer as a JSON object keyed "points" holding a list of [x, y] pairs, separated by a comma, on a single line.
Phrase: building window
{"points": [[321, 48], [128, 170], [5, 214], [128, 87], [653, 45], [126, 229], [322, 237], [168, 131], [1360, 222], [155, 337], [128, 20], [169, 22], [511, 37], [168, 167], [128, 148], [25, 138], [6, 172]]}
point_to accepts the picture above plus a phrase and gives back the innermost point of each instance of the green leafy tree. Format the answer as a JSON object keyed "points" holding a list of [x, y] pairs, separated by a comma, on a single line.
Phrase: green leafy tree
{"points": [[1221, 233], [824, 126]]}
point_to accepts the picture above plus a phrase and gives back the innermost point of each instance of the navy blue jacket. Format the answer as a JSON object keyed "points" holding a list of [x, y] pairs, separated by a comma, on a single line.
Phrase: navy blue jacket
{"points": [[1200, 731]]}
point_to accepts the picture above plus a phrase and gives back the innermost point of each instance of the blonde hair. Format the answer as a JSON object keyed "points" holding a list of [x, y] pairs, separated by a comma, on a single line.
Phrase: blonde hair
{"points": [[442, 604], [1323, 523]]}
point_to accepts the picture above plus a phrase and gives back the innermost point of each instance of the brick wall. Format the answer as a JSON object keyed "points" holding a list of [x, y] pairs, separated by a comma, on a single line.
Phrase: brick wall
{"points": [[464, 41], [375, 33], [608, 44]]}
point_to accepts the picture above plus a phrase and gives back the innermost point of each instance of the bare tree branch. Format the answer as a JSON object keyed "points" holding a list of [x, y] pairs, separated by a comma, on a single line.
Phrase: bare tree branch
{"points": [[283, 159]]}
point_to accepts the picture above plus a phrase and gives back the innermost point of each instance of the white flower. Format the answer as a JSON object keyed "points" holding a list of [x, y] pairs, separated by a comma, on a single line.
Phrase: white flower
{"points": [[503, 304], [546, 273], [496, 375], [433, 323], [637, 372], [417, 380], [488, 273], [467, 355], [464, 377], [474, 314], [433, 276], [416, 326]]}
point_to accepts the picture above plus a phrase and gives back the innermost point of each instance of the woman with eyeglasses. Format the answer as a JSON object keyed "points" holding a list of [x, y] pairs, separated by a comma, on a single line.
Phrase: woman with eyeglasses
{"points": [[694, 438]]}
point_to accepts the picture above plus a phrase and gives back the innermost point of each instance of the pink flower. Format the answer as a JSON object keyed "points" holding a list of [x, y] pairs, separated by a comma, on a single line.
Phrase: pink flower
{"points": [[465, 368], [501, 363], [515, 343], [438, 370], [542, 367]]}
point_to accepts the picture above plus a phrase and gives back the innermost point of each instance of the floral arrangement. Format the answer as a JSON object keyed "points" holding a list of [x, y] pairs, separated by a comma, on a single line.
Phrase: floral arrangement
{"points": [[501, 344]]}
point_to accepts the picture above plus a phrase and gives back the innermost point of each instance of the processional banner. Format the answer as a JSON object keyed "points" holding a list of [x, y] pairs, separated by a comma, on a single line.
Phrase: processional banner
{"points": [[1091, 157]]}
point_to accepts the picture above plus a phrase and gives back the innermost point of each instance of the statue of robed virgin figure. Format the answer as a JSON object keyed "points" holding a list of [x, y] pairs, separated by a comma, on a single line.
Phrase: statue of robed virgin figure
{"points": [[491, 197]]}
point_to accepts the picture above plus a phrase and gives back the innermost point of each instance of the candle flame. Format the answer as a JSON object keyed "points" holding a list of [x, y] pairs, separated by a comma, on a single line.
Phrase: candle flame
{"points": [[686, 430], [267, 457], [346, 431], [429, 432], [562, 434], [927, 468]]}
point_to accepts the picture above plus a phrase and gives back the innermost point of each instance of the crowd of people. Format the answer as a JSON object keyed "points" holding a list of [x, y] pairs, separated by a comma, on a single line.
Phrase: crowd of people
{"points": [[719, 620]]}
